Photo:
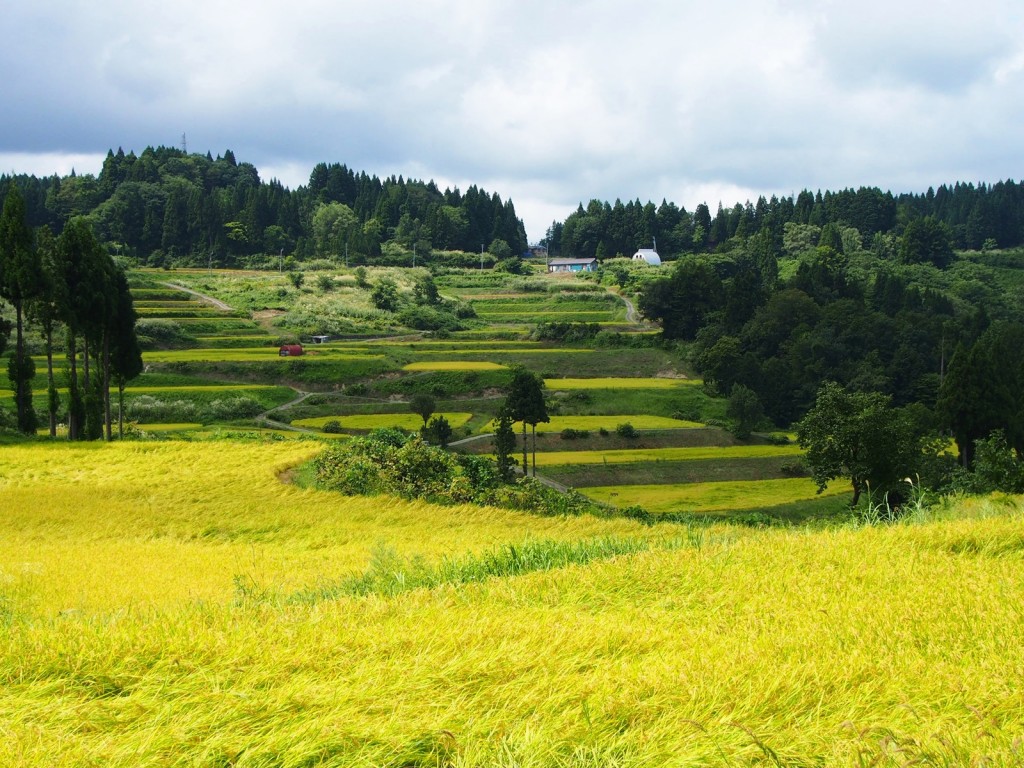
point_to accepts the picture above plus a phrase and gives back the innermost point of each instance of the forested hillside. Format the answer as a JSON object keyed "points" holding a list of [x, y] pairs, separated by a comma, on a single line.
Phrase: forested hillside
{"points": [[989, 216], [169, 207]]}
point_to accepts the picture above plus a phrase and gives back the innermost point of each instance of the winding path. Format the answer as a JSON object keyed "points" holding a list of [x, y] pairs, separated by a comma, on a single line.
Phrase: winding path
{"points": [[201, 296]]}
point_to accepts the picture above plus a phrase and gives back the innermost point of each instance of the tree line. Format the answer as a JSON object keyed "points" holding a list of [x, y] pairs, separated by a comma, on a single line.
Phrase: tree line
{"points": [[74, 293], [166, 206], [977, 216]]}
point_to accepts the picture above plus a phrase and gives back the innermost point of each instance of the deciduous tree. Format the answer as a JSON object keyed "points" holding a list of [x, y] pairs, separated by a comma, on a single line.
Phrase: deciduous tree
{"points": [[859, 436]]}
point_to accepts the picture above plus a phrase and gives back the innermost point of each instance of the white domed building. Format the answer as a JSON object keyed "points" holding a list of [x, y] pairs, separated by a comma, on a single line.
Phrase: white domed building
{"points": [[648, 255]]}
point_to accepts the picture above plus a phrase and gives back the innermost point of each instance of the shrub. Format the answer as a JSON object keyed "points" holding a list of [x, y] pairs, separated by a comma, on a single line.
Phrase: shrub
{"points": [[797, 469], [572, 434], [390, 461], [158, 333], [332, 427], [627, 431]]}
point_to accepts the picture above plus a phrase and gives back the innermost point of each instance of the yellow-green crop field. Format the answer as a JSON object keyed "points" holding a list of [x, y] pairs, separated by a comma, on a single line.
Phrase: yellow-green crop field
{"points": [[630, 455], [145, 621], [712, 497], [410, 421], [620, 382], [453, 365]]}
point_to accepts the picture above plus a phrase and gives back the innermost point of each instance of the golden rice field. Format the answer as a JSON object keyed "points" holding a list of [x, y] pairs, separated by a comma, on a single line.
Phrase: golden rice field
{"points": [[619, 382], [630, 455], [728, 495], [251, 354], [410, 421], [123, 641]]}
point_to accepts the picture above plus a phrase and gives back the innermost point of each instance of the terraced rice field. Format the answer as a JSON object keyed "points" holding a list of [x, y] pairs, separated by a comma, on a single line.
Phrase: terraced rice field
{"points": [[250, 354], [368, 421], [609, 423], [621, 382], [453, 365], [711, 497], [626, 456]]}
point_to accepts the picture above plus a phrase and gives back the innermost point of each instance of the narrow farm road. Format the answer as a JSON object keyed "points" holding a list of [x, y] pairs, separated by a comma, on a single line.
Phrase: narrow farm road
{"points": [[201, 296], [632, 315]]}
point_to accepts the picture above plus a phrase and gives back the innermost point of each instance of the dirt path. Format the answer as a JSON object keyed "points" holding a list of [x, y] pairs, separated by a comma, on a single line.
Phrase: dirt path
{"points": [[266, 418], [632, 316], [201, 296]]}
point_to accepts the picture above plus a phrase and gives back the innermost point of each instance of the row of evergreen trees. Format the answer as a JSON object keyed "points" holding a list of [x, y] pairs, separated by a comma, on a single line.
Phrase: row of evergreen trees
{"points": [[166, 205], [977, 216], [66, 286]]}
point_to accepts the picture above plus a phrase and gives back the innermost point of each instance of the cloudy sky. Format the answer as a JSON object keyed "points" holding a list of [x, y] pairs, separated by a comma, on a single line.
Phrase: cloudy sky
{"points": [[548, 102]]}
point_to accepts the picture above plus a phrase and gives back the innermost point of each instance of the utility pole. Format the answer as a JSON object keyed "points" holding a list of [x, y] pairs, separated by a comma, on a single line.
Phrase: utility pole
{"points": [[481, 257], [280, 261]]}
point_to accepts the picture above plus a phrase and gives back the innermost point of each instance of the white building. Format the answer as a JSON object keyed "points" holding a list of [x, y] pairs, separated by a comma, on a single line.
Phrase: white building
{"points": [[649, 255]]}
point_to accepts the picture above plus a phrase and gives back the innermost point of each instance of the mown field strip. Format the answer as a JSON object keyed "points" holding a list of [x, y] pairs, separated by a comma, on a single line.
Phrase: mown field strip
{"points": [[172, 390], [410, 421], [711, 497], [628, 456], [621, 382], [245, 354], [453, 345], [609, 423], [453, 365], [531, 313], [511, 351]]}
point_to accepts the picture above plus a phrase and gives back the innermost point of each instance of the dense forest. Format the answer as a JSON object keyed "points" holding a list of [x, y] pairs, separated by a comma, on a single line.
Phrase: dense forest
{"points": [[166, 207], [977, 216]]}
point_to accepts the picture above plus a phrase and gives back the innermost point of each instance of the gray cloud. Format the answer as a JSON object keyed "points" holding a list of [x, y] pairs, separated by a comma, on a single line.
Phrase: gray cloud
{"points": [[550, 103]]}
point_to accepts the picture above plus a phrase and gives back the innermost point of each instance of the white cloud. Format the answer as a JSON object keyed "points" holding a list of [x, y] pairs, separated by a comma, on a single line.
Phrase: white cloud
{"points": [[549, 103]]}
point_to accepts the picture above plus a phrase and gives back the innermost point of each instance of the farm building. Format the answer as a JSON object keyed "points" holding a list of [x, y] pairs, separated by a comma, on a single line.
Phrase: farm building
{"points": [[321, 339], [572, 265], [290, 350], [648, 255]]}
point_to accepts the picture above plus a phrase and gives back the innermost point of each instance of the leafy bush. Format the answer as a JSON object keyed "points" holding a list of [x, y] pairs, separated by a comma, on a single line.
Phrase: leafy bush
{"points": [[565, 331], [996, 468], [627, 431], [573, 434], [159, 333], [424, 317], [332, 427], [393, 462]]}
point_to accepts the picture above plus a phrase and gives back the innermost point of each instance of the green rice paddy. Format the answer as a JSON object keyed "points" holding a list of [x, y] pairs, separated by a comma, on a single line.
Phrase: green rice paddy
{"points": [[626, 456], [711, 497], [367, 421], [453, 365], [621, 382]]}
